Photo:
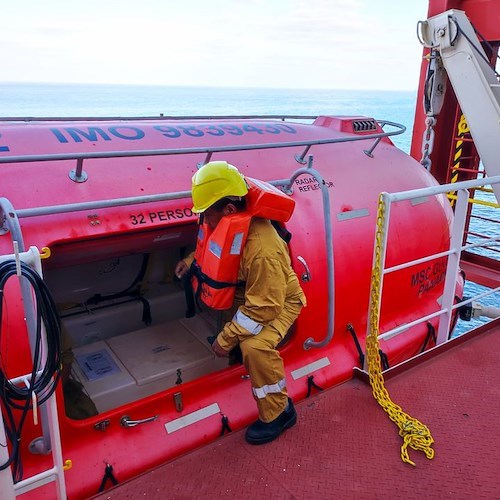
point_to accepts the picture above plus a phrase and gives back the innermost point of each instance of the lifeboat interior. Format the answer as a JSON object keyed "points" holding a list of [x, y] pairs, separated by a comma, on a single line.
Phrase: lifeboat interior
{"points": [[123, 315]]}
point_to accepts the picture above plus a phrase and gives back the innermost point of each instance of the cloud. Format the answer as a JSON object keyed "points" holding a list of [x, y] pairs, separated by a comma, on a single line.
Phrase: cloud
{"points": [[303, 43]]}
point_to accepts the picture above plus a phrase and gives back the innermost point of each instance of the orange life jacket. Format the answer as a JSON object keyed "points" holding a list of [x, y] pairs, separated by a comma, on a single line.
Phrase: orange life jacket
{"points": [[218, 252]]}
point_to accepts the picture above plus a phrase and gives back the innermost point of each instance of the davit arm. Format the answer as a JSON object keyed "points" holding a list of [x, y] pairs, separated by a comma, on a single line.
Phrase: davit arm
{"points": [[456, 49]]}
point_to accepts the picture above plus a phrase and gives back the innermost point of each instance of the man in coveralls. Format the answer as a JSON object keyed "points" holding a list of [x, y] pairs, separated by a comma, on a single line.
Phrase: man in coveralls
{"points": [[265, 308]]}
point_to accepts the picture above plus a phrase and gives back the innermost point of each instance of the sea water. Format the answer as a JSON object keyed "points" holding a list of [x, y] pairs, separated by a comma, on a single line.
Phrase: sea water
{"points": [[87, 100], [64, 100]]}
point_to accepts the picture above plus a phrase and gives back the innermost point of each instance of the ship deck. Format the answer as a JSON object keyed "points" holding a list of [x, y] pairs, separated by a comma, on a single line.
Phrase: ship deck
{"points": [[344, 445]]}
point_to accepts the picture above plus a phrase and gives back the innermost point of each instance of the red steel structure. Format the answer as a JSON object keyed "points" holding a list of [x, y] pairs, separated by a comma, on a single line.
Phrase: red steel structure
{"points": [[111, 210]]}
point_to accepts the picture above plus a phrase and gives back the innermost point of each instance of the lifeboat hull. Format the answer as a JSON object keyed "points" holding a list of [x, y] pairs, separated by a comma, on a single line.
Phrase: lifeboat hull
{"points": [[111, 266]]}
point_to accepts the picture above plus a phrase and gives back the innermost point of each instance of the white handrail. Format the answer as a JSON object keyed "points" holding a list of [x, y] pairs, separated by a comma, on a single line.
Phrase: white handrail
{"points": [[453, 253], [8, 489]]}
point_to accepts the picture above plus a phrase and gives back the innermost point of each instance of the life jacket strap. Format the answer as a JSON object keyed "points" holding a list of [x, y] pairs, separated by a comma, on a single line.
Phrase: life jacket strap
{"points": [[192, 296], [189, 294], [282, 231]]}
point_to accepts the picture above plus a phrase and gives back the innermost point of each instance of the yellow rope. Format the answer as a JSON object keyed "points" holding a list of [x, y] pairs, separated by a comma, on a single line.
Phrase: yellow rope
{"points": [[415, 434]]}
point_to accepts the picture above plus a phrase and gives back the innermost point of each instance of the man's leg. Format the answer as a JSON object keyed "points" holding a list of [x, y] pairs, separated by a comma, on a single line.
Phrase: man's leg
{"points": [[267, 373]]}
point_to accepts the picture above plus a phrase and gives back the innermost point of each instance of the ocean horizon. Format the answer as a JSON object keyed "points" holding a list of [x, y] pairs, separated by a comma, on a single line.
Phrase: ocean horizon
{"points": [[122, 100]]}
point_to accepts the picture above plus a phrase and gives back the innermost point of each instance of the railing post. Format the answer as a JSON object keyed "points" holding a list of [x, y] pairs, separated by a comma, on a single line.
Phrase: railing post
{"points": [[369, 152], [6, 482], [457, 231], [78, 174]]}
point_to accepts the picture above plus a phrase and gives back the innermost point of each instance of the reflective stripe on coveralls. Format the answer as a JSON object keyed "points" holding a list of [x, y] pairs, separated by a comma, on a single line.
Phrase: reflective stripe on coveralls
{"points": [[248, 323], [262, 392]]}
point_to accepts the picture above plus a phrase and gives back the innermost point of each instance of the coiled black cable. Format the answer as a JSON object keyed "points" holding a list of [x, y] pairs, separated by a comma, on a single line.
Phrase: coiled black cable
{"points": [[44, 378]]}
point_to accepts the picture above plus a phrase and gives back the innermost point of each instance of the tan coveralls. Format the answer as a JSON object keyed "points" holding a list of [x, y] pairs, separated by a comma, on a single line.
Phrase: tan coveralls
{"points": [[267, 307]]}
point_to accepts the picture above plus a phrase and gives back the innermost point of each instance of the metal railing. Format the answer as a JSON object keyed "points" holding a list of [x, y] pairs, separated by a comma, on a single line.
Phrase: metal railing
{"points": [[453, 254], [483, 221], [79, 175], [153, 117], [48, 412]]}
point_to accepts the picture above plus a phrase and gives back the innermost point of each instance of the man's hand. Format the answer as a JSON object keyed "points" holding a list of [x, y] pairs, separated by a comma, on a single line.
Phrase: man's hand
{"points": [[181, 269], [219, 352]]}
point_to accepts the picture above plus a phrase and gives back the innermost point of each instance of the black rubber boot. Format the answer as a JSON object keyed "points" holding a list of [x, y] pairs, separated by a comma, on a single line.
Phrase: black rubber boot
{"points": [[261, 432]]}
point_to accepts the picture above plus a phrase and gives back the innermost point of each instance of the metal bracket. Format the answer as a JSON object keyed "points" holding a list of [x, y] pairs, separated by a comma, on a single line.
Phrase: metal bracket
{"points": [[38, 447], [178, 402], [102, 425], [207, 159], [4, 229], [301, 158]]}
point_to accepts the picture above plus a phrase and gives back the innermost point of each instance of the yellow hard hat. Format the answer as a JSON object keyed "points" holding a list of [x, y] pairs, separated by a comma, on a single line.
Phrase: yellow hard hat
{"points": [[214, 181]]}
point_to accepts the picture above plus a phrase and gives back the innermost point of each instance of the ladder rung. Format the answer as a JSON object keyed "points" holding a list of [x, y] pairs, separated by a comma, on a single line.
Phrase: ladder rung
{"points": [[36, 481]]}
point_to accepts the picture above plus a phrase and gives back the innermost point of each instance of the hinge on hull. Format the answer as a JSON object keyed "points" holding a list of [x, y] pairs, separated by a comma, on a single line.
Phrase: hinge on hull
{"points": [[3, 228], [102, 425], [178, 402]]}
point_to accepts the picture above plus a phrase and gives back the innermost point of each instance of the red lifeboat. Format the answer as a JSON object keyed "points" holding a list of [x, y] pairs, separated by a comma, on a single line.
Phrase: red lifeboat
{"points": [[110, 199]]}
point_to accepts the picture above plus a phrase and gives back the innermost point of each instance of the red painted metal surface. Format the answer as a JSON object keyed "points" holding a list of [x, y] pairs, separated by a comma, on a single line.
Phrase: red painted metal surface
{"points": [[76, 238], [485, 16], [344, 446], [482, 270]]}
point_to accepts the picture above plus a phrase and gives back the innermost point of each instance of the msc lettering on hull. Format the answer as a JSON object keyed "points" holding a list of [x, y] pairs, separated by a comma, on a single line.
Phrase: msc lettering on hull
{"points": [[427, 278]]}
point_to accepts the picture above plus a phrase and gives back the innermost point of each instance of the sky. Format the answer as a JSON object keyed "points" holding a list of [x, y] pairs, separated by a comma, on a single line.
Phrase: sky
{"points": [[331, 44]]}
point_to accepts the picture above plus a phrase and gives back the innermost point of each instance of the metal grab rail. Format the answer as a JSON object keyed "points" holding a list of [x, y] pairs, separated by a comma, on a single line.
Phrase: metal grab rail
{"points": [[456, 247], [92, 205], [156, 117], [310, 342], [78, 175]]}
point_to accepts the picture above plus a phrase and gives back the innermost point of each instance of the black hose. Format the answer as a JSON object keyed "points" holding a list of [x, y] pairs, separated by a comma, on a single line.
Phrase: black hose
{"points": [[44, 378]]}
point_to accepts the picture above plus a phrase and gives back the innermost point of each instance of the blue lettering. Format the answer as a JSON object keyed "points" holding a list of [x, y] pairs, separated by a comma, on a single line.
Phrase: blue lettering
{"points": [[3, 148], [213, 130], [59, 135], [137, 133], [286, 128], [251, 128], [191, 131], [221, 129], [168, 131], [90, 134], [94, 134]]}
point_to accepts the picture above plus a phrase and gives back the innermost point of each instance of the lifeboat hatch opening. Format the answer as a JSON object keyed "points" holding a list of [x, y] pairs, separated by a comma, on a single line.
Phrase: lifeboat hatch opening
{"points": [[125, 334]]}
